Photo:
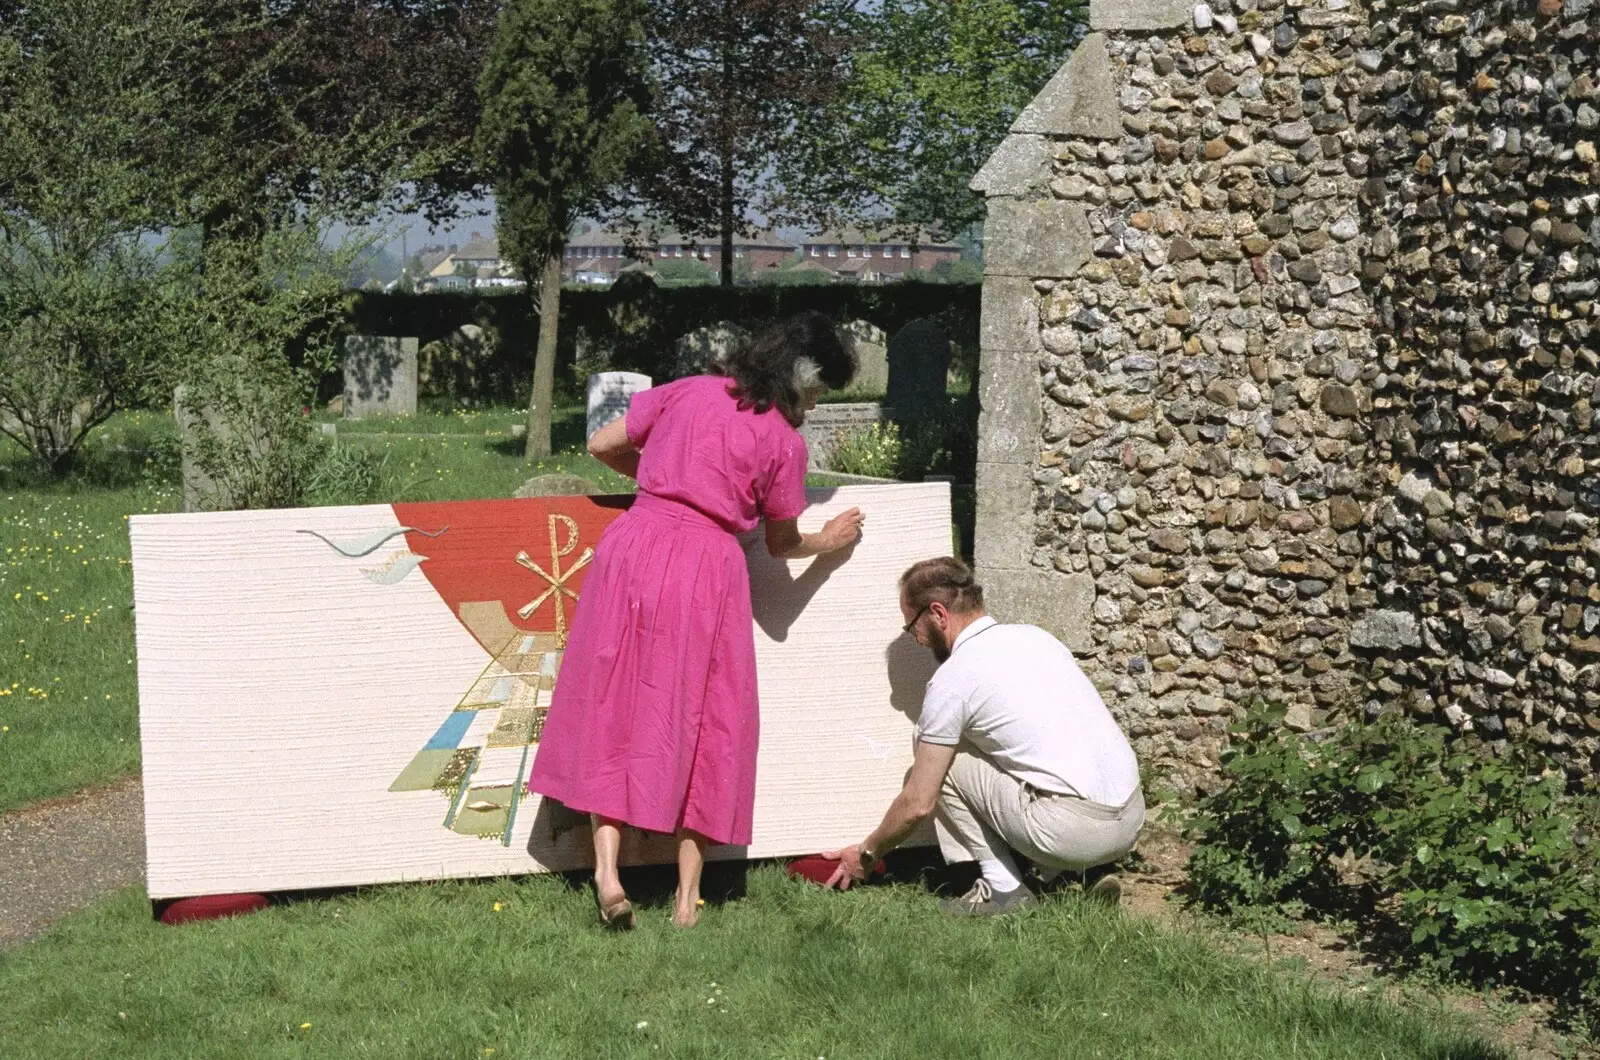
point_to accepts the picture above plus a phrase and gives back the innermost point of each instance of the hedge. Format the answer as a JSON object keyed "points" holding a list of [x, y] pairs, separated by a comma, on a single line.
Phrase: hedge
{"points": [[634, 325]]}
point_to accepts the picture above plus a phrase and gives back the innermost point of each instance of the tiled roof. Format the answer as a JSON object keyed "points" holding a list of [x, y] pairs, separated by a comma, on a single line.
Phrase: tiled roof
{"points": [[481, 248], [604, 237], [856, 237]]}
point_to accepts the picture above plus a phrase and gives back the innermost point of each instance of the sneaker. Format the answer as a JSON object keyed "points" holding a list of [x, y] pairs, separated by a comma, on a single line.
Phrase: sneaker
{"points": [[1106, 890], [984, 900], [1044, 880]]}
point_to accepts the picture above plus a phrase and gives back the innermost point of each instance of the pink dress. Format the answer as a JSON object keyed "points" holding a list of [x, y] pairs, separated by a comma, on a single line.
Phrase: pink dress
{"points": [[654, 719]]}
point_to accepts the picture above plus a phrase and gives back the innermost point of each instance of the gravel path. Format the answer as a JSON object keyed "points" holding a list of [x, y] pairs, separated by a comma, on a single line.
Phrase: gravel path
{"points": [[61, 856]]}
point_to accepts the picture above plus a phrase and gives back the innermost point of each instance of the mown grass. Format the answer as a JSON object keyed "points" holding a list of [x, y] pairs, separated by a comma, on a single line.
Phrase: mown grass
{"points": [[68, 702], [68, 697], [516, 968]]}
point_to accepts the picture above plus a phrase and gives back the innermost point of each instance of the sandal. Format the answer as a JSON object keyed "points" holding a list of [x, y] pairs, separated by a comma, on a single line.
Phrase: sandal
{"points": [[618, 916]]}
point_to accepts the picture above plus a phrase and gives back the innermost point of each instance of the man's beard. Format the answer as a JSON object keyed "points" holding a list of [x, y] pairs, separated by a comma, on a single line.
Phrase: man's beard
{"points": [[938, 644]]}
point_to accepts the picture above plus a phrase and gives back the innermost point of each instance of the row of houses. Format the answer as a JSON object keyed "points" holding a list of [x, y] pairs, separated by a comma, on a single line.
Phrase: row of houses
{"points": [[599, 255]]}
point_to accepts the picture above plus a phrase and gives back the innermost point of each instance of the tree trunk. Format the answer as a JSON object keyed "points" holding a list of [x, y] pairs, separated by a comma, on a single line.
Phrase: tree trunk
{"points": [[544, 360], [725, 150]]}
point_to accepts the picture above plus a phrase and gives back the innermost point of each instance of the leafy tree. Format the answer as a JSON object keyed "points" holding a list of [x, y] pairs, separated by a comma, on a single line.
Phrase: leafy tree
{"points": [[84, 120], [564, 93], [350, 85], [400, 65], [736, 76], [929, 89], [111, 120]]}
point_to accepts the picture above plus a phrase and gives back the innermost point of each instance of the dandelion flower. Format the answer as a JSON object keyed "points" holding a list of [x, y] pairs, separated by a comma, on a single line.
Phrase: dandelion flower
{"points": [[305, 1026], [497, 907]]}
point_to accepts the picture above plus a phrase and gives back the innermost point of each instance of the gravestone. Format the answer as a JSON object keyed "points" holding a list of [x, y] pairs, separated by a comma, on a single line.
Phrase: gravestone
{"points": [[919, 364], [380, 376], [201, 492], [827, 425], [470, 339], [609, 396], [872, 357], [699, 349]]}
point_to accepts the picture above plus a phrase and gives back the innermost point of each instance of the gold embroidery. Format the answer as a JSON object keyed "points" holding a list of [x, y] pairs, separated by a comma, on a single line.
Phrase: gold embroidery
{"points": [[555, 576]]}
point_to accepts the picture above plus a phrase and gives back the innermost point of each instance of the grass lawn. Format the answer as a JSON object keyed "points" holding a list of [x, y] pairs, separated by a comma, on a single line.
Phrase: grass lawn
{"points": [[516, 968], [68, 703]]}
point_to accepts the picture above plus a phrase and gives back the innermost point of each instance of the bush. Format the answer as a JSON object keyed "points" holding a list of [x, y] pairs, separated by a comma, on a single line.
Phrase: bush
{"points": [[942, 444], [874, 451], [1483, 865], [347, 474]]}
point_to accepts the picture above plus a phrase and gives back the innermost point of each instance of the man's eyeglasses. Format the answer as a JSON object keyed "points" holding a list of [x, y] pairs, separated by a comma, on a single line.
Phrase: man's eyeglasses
{"points": [[916, 618]]}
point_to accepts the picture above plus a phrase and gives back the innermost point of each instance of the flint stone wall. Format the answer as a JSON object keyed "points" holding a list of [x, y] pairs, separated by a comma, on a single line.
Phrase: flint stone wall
{"points": [[1229, 312]]}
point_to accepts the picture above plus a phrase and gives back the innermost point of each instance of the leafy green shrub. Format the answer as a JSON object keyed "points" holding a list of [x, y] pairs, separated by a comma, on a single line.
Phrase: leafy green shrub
{"points": [[1483, 864], [941, 444], [874, 451]]}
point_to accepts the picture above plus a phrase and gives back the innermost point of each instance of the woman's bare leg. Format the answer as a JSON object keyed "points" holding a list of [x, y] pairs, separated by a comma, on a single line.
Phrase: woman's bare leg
{"points": [[691, 859], [607, 845]]}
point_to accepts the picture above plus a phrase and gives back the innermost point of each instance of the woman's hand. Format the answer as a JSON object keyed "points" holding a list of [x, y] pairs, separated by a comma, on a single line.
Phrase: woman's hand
{"points": [[843, 530], [785, 541]]}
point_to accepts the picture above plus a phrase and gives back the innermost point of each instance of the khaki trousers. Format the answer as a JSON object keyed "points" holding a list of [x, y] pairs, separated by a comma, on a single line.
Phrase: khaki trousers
{"points": [[983, 810]]}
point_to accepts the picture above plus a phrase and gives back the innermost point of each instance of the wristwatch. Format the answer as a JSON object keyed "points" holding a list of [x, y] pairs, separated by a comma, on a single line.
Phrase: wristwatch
{"points": [[869, 858]]}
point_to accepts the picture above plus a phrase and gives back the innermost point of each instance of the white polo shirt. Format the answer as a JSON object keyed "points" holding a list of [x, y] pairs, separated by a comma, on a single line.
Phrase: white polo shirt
{"points": [[1016, 695]]}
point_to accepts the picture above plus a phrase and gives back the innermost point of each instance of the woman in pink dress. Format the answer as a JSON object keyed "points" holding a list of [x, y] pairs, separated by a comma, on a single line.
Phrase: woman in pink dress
{"points": [[654, 720]]}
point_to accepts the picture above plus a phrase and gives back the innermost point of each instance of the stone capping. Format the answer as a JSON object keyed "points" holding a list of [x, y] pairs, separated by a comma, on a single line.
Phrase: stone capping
{"points": [[1080, 100], [1019, 167], [1140, 15]]}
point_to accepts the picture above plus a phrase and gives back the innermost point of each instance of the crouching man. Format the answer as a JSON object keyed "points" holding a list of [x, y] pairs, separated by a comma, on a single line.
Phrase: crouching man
{"points": [[1015, 752]]}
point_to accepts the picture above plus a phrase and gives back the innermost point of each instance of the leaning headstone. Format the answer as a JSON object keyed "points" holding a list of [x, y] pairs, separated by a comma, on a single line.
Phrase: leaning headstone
{"points": [[919, 363], [872, 357], [699, 349], [201, 492], [609, 396], [380, 376], [557, 484]]}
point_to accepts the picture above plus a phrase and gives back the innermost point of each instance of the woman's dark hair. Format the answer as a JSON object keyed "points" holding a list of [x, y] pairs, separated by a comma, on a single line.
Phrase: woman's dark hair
{"points": [[780, 365], [946, 580]]}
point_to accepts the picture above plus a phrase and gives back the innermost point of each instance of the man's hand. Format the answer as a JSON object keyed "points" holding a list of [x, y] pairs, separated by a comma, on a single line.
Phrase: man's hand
{"points": [[850, 869]]}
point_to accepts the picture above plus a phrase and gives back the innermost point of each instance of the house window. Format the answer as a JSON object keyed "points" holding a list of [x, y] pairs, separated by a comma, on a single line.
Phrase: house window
{"points": [[677, 252], [813, 250], [905, 252], [850, 252], [885, 252], [833, 252]]}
